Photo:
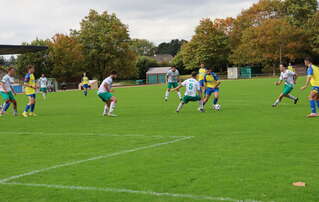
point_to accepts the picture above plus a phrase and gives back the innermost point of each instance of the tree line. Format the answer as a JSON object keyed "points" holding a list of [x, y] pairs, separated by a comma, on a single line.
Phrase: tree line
{"points": [[266, 34]]}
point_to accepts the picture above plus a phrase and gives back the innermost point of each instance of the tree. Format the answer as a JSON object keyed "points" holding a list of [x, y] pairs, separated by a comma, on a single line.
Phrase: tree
{"points": [[254, 16], [300, 11], [106, 44], [67, 56], [143, 64], [313, 30], [40, 60], [171, 48], [268, 43], [143, 47], [209, 45]]}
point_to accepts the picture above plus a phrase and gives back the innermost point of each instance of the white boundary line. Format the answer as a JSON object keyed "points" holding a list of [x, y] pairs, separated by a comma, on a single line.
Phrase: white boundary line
{"points": [[175, 195], [92, 159], [89, 134]]}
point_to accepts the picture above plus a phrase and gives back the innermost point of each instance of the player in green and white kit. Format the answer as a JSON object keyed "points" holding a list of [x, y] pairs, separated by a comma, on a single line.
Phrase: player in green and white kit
{"points": [[43, 83], [290, 78], [7, 92], [105, 94], [192, 94], [172, 78]]}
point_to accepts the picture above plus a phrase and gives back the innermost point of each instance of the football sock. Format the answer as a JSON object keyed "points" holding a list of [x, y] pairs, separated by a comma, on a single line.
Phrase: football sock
{"points": [[6, 106], [166, 94], [106, 109], [27, 108], [215, 101], [291, 97], [179, 95], [201, 105], [180, 106], [277, 102], [32, 107], [313, 106], [112, 107]]}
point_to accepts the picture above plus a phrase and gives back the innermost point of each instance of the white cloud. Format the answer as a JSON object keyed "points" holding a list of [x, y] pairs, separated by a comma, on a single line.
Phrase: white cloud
{"points": [[161, 20]]}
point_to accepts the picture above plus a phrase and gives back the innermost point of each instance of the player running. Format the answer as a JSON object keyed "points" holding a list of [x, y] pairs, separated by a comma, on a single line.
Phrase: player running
{"points": [[290, 78], [30, 91], [212, 83], [313, 79], [192, 94], [7, 92], [172, 78], [43, 83], [105, 93], [202, 73], [85, 84]]}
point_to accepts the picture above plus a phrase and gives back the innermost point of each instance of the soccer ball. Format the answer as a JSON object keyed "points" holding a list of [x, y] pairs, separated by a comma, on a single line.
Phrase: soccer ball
{"points": [[217, 107]]}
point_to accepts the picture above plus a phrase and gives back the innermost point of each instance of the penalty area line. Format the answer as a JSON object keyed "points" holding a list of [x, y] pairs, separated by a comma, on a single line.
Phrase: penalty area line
{"points": [[93, 159], [116, 190]]}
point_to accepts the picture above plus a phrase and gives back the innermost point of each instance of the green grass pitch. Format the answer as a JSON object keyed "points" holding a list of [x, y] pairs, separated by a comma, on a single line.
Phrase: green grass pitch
{"points": [[248, 151]]}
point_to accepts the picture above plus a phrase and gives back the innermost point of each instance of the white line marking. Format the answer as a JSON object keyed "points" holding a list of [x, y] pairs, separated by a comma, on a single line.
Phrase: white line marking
{"points": [[88, 134], [92, 159], [189, 196]]}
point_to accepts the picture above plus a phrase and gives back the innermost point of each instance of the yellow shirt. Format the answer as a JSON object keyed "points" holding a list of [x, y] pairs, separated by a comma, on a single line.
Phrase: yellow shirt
{"points": [[211, 80], [85, 80], [313, 72], [30, 80], [202, 73]]}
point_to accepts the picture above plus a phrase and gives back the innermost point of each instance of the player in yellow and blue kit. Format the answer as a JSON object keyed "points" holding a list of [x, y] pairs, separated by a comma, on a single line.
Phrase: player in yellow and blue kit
{"points": [[313, 79], [212, 87], [201, 77], [85, 84], [30, 91]]}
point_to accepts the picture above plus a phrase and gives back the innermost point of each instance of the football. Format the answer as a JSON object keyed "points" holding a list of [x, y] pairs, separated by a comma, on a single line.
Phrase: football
{"points": [[217, 107]]}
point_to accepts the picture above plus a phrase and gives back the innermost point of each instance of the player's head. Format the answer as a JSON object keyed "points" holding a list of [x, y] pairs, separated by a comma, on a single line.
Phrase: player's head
{"points": [[42, 75], [194, 75], [282, 68], [173, 68], [308, 61], [11, 71], [114, 74], [30, 68], [209, 70], [202, 65], [84, 74]]}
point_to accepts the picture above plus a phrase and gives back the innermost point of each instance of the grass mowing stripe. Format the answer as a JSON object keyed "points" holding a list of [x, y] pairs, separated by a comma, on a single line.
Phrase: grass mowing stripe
{"points": [[175, 195], [89, 134], [92, 159]]}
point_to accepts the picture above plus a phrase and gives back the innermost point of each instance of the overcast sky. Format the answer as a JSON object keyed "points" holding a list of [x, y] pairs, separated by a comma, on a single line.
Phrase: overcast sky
{"points": [[157, 21]]}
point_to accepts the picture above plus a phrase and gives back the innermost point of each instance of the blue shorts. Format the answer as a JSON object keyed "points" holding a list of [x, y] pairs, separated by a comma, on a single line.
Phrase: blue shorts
{"points": [[210, 91], [202, 83], [32, 95], [315, 88], [85, 86]]}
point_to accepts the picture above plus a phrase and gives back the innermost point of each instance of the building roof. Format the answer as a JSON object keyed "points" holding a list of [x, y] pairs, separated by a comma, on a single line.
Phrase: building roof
{"points": [[20, 49], [163, 58], [158, 70]]}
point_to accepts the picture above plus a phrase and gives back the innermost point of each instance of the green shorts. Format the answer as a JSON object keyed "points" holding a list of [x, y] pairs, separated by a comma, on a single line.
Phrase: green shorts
{"points": [[187, 99], [105, 96], [44, 90], [7, 96], [172, 85], [287, 89]]}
